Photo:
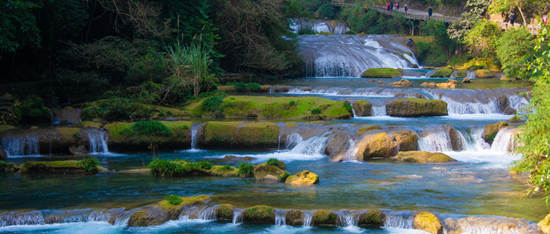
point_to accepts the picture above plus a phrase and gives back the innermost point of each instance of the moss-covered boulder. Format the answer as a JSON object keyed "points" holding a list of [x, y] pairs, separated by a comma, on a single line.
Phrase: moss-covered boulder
{"points": [[428, 222], [173, 205], [324, 218], [259, 215], [407, 140], [414, 107], [362, 108], [378, 145], [491, 130], [442, 72], [337, 145], [381, 73], [6, 167], [486, 73], [268, 172], [294, 218], [364, 129], [142, 135], [544, 225], [371, 219], [224, 213], [302, 179], [402, 83], [223, 171], [423, 157], [144, 219], [85, 166], [238, 134]]}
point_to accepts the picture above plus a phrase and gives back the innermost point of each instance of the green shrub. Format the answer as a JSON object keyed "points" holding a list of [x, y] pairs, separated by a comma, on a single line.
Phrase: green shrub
{"points": [[116, 109], [245, 169], [274, 162], [283, 177], [327, 10], [148, 128], [206, 165], [254, 87], [174, 199], [348, 107], [32, 110], [7, 167], [162, 167], [212, 103], [514, 49], [316, 111], [90, 164], [292, 103], [306, 30]]}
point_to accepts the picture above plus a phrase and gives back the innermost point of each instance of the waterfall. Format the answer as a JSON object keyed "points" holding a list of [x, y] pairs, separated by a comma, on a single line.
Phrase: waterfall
{"points": [[312, 146], [351, 55], [208, 213], [194, 135], [438, 141], [318, 26], [486, 101], [351, 152], [293, 140], [17, 146], [399, 221], [379, 110], [42, 217], [347, 218], [237, 215], [308, 216], [97, 142], [505, 140], [280, 217], [471, 75]]}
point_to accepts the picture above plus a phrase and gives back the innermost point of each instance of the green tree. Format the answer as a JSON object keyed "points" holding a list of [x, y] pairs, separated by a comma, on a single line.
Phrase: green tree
{"points": [[474, 11], [18, 25], [191, 60], [514, 49], [483, 37]]}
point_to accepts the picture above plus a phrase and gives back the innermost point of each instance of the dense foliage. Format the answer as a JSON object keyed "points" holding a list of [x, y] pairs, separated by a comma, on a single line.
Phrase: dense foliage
{"points": [[514, 50]]}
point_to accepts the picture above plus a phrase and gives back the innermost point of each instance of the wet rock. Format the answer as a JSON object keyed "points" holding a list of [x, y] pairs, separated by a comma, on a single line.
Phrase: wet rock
{"points": [[362, 108], [324, 218], [303, 179], [372, 219], [259, 215], [379, 145], [78, 150], [456, 141], [442, 72], [151, 216], [268, 172], [402, 83], [6, 167], [414, 107], [544, 224], [515, 120], [407, 140], [423, 157], [368, 129], [489, 225], [485, 73], [428, 222], [224, 213], [68, 115], [491, 130], [294, 218], [504, 105], [466, 80], [380, 82], [281, 88], [336, 146]]}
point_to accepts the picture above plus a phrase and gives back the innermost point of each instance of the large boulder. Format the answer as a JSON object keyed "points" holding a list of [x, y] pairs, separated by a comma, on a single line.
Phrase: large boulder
{"points": [[378, 145], [491, 130], [301, 179], [424, 157], [414, 107], [324, 218], [381, 73], [239, 135], [362, 108], [428, 222], [372, 219], [407, 140], [150, 216], [259, 214], [442, 72], [224, 213], [485, 73], [336, 146], [402, 83], [456, 139], [504, 105], [295, 218], [268, 172], [544, 225], [123, 138]]}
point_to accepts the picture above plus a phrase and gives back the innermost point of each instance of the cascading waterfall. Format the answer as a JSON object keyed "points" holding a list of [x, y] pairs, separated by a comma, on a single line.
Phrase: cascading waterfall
{"points": [[237, 215], [465, 101], [97, 141], [399, 221], [312, 146], [351, 55], [308, 217], [347, 218], [379, 110], [318, 26], [18, 146], [505, 140], [194, 135], [436, 141], [472, 139], [280, 217], [292, 140]]}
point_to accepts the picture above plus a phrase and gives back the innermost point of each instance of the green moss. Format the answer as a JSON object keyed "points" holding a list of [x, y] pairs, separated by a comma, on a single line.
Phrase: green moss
{"points": [[368, 129], [381, 73], [277, 163], [5, 127], [6, 167], [224, 213], [174, 199], [442, 72], [147, 128], [90, 124], [246, 169], [179, 168], [225, 171], [68, 134], [461, 73], [260, 215], [183, 201], [412, 107], [240, 134], [130, 136], [284, 176], [85, 166], [372, 219], [324, 218], [316, 111]]}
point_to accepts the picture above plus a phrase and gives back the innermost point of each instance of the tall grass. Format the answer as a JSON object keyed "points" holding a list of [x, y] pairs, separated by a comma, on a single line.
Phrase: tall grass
{"points": [[191, 60]]}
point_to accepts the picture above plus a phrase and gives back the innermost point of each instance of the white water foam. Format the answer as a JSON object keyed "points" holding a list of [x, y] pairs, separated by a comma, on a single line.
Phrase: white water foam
{"points": [[21, 146]]}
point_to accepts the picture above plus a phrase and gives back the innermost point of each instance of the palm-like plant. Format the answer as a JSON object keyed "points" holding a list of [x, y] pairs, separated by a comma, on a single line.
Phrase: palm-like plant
{"points": [[193, 60]]}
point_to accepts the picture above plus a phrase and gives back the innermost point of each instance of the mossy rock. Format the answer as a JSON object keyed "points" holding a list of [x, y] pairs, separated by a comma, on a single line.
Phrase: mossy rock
{"points": [[324, 218], [544, 225], [6, 127], [428, 222], [491, 130], [407, 140], [461, 73], [3, 154], [415, 107], [381, 73], [224, 213], [236, 134], [424, 157], [485, 73], [372, 219], [173, 210], [362, 108], [224, 171], [302, 179], [515, 120], [122, 139], [57, 167], [150, 216], [259, 214], [6, 167], [268, 172], [367, 129], [442, 72], [379, 145], [90, 124], [294, 218]]}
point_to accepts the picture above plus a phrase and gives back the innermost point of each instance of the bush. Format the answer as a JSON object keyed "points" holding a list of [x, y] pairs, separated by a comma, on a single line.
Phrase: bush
{"points": [[275, 162], [148, 128], [212, 103], [162, 167], [174, 199], [348, 107], [32, 110], [245, 169], [514, 50], [327, 11], [316, 111], [90, 164], [7, 167], [206, 165], [116, 109], [283, 177], [292, 103]]}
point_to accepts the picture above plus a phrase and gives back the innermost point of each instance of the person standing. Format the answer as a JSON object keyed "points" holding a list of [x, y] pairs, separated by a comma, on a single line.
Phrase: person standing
{"points": [[388, 6], [397, 6], [512, 18], [406, 8], [391, 6], [430, 11]]}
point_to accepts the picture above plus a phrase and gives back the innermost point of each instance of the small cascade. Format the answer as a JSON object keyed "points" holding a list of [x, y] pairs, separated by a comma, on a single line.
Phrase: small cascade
{"points": [[505, 140], [472, 139], [429, 73], [487, 225], [280, 217], [437, 141], [97, 142], [379, 110], [312, 146], [351, 152], [471, 75], [347, 219], [293, 140], [18, 146], [237, 215], [42, 217], [208, 213], [495, 101], [194, 135], [353, 111], [308, 216], [402, 221], [318, 26]]}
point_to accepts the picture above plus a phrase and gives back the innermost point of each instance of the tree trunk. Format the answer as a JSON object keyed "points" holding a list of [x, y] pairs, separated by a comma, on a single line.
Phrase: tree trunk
{"points": [[196, 87], [522, 16]]}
